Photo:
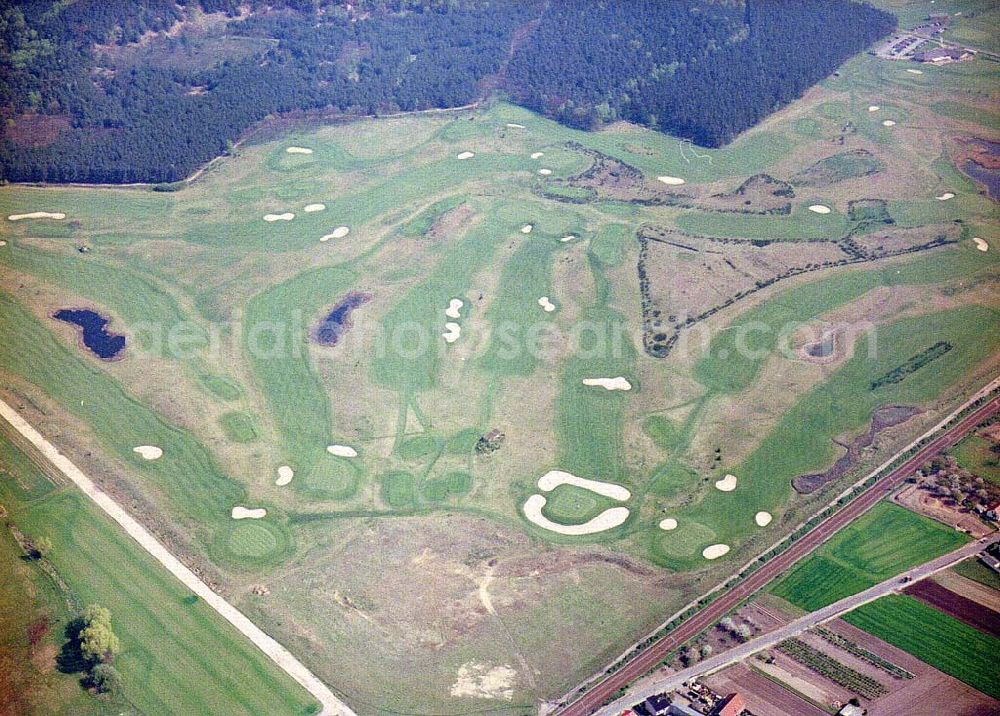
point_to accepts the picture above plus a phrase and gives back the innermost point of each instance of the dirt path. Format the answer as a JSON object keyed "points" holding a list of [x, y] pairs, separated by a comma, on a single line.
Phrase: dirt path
{"points": [[275, 651]]}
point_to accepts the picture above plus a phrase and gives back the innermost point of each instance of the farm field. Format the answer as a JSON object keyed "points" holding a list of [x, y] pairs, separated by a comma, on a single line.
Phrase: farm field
{"points": [[456, 431], [168, 637], [933, 637], [886, 541]]}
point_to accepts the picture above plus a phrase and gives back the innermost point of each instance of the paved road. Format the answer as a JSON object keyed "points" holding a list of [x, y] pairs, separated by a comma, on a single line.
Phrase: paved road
{"points": [[277, 653], [741, 652], [648, 659]]}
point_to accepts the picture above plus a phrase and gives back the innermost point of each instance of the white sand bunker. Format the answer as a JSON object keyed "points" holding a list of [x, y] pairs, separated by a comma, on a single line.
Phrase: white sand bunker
{"points": [[946, 196], [538, 155], [609, 519], [546, 304], [570, 237], [618, 383], [668, 524], [451, 332], [554, 478], [514, 125], [726, 484], [37, 215], [245, 513], [873, 108], [980, 243], [672, 181], [299, 150], [2, 243], [148, 452], [342, 450], [466, 155], [763, 519], [287, 216], [888, 123], [310, 208], [285, 475], [526, 229], [915, 72], [338, 233], [477, 680], [819, 209], [544, 172], [715, 551], [454, 306]]}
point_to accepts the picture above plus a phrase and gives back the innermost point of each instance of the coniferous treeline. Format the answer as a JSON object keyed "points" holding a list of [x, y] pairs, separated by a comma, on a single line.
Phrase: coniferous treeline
{"points": [[702, 69]]}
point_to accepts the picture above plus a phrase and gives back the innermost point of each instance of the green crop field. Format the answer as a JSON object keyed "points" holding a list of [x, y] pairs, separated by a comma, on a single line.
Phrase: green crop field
{"points": [[934, 637], [884, 542], [384, 378]]}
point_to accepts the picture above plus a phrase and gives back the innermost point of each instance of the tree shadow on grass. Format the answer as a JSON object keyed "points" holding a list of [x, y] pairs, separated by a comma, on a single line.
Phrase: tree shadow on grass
{"points": [[71, 659]]}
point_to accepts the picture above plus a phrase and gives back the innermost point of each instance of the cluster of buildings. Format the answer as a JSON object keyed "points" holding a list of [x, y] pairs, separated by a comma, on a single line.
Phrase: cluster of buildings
{"points": [[915, 44], [698, 701]]}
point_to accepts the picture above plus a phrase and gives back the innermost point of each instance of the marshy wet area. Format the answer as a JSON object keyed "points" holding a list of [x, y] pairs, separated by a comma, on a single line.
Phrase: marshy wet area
{"points": [[93, 332], [882, 419], [338, 320]]}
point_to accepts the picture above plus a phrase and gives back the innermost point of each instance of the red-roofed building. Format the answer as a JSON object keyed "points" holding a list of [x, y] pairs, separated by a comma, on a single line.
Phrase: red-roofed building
{"points": [[732, 705]]}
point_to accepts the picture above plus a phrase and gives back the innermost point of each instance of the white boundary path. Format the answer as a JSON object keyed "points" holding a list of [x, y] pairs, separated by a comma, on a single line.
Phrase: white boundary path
{"points": [[275, 651]]}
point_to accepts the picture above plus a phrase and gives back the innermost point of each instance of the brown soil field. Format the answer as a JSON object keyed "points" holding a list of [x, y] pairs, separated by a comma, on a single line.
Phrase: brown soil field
{"points": [[918, 500], [763, 696], [989, 598], [962, 608]]}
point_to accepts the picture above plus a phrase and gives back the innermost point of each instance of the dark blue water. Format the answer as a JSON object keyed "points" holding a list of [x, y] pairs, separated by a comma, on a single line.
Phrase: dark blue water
{"points": [[989, 178], [338, 320], [104, 345]]}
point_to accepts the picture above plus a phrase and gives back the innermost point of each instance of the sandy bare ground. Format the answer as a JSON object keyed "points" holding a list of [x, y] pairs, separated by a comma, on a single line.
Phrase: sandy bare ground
{"points": [[763, 519], [285, 475], [148, 452], [915, 72], [715, 551], [248, 513], [537, 155], [980, 244], [454, 308], [466, 155], [275, 651], [342, 450], [668, 523], [515, 125], [946, 196], [726, 484], [546, 304], [299, 150], [567, 238], [607, 520], [873, 108], [310, 208], [481, 681], [888, 123], [287, 216], [37, 215], [526, 229], [617, 383], [670, 181], [2, 243], [451, 332], [544, 172], [553, 478], [819, 209], [338, 233]]}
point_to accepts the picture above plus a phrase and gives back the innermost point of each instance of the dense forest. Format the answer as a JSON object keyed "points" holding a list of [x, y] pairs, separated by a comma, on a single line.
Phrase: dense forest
{"points": [[148, 90]]}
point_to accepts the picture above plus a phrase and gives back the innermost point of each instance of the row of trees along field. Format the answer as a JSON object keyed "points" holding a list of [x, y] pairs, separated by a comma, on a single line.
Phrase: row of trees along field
{"points": [[88, 93]]}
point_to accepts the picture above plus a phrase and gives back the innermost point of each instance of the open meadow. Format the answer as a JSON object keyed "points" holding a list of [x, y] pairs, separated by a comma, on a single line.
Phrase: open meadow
{"points": [[458, 405]]}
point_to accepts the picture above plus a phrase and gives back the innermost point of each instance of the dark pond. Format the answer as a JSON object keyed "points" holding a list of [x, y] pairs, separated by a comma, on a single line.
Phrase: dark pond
{"points": [[822, 348], [96, 338], [338, 320], [990, 178]]}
